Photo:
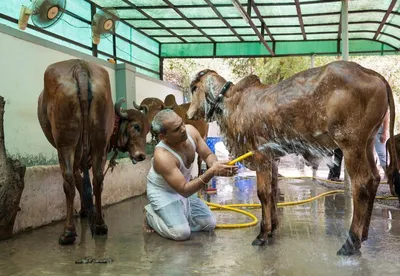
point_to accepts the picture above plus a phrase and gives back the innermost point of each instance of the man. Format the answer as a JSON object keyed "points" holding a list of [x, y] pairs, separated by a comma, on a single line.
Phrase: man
{"points": [[380, 142], [175, 210]]}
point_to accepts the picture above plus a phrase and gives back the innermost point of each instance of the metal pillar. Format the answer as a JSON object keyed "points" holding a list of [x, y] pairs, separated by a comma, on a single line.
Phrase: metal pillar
{"points": [[345, 56], [345, 30]]}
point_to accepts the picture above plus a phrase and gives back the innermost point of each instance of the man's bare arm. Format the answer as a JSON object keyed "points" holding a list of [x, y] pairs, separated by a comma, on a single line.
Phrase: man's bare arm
{"points": [[169, 170]]}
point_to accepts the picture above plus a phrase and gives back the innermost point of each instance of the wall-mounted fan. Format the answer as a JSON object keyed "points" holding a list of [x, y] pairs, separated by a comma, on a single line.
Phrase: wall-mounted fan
{"points": [[43, 13], [104, 23]]}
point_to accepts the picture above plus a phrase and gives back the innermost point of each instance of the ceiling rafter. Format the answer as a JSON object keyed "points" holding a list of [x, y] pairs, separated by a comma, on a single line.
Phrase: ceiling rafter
{"points": [[385, 17], [257, 11], [272, 16], [253, 26], [223, 19], [183, 6], [154, 20], [188, 20], [300, 19]]}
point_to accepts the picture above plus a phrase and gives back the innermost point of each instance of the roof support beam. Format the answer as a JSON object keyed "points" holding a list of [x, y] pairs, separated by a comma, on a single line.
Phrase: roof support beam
{"points": [[300, 18], [188, 20], [257, 11], [194, 6], [345, 30], [385, 17], [249, 2], [223, 19], [154, 20], [262, 40]]}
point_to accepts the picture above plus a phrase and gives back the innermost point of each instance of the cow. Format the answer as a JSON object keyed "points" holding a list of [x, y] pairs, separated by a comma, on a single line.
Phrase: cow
{"points": [[397, 146], [340, 104], [151, 106], [78, 118]]}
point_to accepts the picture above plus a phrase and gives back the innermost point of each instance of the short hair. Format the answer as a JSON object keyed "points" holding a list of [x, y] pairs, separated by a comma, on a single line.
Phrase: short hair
{"points": [[157, 125]]}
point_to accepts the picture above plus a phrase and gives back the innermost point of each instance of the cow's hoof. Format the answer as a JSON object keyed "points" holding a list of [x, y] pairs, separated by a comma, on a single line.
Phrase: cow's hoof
{"points": [[258, 242], [101, 229], [68, 237], [348, 250]]}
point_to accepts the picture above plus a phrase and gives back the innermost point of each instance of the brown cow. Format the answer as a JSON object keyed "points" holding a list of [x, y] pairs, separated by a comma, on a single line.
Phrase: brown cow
{"points": [[151, 106], [397, 145], [76, 113], [339, 104]]}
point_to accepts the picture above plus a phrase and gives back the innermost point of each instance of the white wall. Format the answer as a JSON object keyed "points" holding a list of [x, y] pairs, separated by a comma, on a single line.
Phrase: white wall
{"points": [[149, 87], [21, 78]]}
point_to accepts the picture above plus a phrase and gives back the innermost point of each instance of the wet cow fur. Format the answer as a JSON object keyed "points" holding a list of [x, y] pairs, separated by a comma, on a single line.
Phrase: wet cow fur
{"points": [[340, 104], [77, 116]]}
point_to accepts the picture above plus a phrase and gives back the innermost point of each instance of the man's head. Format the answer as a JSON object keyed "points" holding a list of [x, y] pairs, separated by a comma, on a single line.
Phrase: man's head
{"points": [[169, 127]]}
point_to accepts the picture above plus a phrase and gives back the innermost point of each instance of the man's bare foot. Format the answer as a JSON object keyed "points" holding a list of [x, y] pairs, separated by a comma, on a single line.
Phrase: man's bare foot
{"points": [[146, 227]]}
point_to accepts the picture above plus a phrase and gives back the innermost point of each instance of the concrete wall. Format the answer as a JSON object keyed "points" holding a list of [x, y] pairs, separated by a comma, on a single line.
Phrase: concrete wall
{"points": [[149, 87], [43, 198]]}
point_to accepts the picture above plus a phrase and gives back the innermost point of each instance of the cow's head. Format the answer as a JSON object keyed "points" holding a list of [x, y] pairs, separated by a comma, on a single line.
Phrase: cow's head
{"points": [[132, 131], [151, 106], [205, 88]]}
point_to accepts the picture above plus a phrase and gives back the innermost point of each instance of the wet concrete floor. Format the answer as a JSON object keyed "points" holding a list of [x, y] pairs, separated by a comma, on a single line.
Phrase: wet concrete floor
{"points": [[305, 244]]}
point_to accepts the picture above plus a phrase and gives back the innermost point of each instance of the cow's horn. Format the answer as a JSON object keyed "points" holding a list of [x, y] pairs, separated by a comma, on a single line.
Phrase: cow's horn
{"points": [[139, 107], [145, 109], [117, 108]]}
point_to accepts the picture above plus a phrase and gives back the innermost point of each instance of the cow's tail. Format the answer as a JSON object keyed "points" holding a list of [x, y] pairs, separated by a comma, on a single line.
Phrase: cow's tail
{"points": [[82, 76], [392, 170]]}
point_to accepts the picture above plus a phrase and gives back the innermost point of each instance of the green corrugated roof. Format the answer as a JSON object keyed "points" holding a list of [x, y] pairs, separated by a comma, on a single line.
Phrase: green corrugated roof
{"points": [[206, 28]]}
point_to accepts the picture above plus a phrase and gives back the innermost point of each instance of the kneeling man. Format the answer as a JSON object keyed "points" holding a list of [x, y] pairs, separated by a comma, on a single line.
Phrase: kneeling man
{"points": [[175, 210]]}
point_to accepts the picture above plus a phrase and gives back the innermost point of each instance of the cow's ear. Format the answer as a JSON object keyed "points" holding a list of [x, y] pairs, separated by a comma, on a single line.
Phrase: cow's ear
{"points": [[123, 134]]}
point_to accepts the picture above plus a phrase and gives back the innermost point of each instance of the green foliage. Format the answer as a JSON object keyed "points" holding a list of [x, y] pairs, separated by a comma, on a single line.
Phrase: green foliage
{"points": [[178, 72], [273, 70]]}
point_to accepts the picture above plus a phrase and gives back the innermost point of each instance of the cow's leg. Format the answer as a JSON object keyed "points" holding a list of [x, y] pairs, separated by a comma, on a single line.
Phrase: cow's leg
{"points": [[79, 186], [66, 159], [79, 181], [265, 194], [362, 182], [99, 159], [274, 196], [376, 181]]}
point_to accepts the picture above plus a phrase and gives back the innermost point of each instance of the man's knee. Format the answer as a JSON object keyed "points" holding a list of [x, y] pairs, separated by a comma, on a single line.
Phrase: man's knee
{"points": [[180, 233], [207, 223]]}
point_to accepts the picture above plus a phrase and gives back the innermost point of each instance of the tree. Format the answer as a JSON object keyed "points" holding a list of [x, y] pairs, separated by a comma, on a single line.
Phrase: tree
{"points": [[178, 71], [273, 70], [11, 184]]}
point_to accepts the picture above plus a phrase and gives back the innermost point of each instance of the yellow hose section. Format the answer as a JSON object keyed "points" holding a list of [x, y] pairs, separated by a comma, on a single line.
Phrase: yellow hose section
{"points": [[234, 208], [316, 178]]}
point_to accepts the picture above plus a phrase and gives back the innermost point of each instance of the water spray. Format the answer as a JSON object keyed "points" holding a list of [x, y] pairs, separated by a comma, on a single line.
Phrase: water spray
{"points": [[250, 153]]}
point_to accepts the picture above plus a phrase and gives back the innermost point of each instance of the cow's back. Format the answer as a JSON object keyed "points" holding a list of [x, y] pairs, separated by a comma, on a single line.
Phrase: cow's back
{"points": [[59, 106]]}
